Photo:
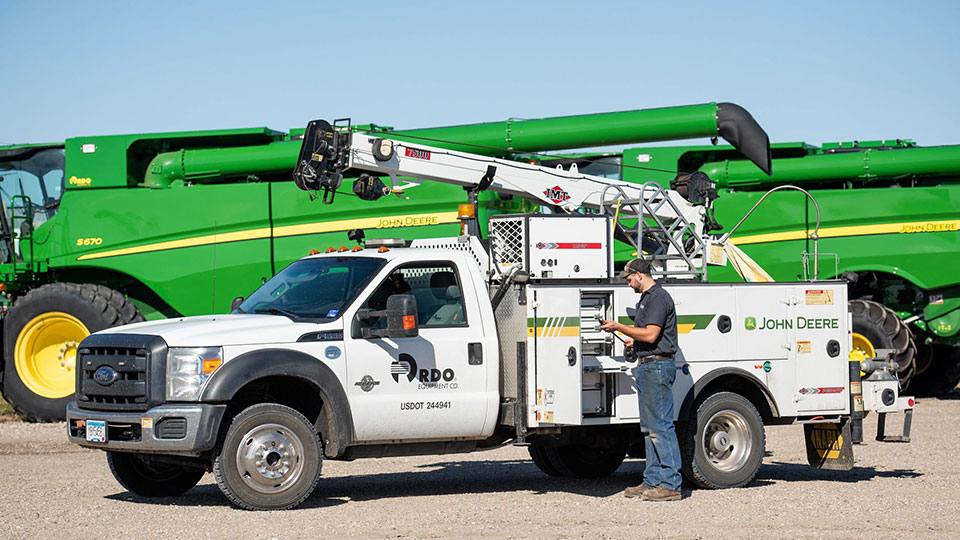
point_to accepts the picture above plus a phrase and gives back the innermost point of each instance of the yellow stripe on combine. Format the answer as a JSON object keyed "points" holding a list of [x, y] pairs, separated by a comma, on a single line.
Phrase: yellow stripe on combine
{"points": [[949, 225], [407, 220], [253, 234]]}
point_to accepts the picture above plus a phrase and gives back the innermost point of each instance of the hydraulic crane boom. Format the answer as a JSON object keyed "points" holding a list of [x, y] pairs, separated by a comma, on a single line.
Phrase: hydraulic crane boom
{"points": [[665, 220]]}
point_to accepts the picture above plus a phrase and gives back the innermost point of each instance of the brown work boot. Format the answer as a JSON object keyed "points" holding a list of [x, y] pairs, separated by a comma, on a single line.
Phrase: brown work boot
{"points": [[636, 491], [660, 493]]}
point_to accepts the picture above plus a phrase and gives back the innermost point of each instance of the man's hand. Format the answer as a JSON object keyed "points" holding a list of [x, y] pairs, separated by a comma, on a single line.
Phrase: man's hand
{"points": [[610, 326], [628, 343]]}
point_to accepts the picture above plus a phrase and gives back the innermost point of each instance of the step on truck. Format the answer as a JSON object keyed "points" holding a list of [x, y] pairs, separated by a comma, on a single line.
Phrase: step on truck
{"points": [[449, 345]]}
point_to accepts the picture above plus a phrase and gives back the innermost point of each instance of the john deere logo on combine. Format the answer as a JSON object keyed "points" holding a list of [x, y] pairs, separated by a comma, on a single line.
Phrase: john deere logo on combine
{"points": [[556, 194], [750, 323], [74, 181]]}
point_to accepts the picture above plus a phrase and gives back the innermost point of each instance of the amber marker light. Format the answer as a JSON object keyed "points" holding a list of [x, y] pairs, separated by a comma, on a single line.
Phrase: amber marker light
{"points": [[210, 365], [408, 322], [383, 249], [343, 248], [330, 250], [314, 251], [357, 248], [466, 211]]}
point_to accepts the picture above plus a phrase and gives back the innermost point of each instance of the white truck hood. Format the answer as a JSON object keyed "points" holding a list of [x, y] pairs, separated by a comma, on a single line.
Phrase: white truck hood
{"points": [[219, 330]]}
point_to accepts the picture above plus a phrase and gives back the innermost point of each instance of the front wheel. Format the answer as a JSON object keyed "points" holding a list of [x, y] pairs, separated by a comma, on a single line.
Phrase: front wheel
{"points": [[722, 446], [269, 459], [143, 476]]}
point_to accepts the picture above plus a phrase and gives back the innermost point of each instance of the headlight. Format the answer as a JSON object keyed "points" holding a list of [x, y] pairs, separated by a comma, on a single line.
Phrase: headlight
{"points": [[188, 368]]}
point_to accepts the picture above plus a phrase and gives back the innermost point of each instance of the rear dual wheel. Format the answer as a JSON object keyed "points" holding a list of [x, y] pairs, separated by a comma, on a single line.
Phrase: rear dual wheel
{"points": [[722, 446], [576, 460]]}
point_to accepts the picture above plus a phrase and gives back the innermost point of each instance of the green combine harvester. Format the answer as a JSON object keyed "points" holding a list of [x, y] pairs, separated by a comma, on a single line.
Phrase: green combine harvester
{"points": [[102, 231]]}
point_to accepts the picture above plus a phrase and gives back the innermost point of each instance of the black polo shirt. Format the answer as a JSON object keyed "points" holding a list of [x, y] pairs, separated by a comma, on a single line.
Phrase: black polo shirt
{"points": [[656, 307]]}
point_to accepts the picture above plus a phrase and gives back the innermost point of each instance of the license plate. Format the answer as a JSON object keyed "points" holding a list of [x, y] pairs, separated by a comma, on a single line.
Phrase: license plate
{"points": [[97, 430]]}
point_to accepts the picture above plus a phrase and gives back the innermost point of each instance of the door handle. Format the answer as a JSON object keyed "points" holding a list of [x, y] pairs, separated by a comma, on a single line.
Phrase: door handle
{"points": [[474, 354]]}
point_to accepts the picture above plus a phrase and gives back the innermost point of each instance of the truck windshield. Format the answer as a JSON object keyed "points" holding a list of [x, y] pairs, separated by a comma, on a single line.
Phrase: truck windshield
{"points": [[313, 288]]}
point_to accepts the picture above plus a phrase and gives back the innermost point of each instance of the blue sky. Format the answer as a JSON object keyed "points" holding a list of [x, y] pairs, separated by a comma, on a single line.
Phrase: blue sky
{"points": [[813, 71]]}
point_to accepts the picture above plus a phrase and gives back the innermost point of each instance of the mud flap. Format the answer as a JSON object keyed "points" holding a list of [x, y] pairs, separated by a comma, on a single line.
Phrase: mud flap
{"points": [[829, 446]]}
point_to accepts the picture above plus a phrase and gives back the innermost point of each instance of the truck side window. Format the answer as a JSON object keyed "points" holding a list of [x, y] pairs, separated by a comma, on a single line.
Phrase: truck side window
{"points": [[436, 288]]}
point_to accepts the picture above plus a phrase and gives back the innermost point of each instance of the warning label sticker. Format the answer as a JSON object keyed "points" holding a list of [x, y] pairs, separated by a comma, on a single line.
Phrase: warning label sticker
{"points": [[803, 347], [819, 297]]}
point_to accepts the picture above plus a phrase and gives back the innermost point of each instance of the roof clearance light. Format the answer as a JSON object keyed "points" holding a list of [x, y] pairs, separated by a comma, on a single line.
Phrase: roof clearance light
{"points": [[357, 248], [466, 211], [387, 242], [343, 248], [383, 249], [314, 251], [329, 250]]}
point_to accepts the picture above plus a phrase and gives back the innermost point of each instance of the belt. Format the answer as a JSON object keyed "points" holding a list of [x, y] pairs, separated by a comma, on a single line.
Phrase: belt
{"points": [[654, 358]]}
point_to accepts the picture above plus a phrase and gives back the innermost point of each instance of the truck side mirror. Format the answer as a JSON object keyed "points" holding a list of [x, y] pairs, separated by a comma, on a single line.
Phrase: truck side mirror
{"points": [[235, 303], [401, 315]]}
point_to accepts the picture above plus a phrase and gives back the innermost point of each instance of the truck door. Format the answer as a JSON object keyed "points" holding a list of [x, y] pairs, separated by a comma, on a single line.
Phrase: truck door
{"points": [[427, 387]]}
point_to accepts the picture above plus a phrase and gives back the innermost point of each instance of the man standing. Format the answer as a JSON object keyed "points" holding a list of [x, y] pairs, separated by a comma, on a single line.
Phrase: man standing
{"points": [[654, 339]]}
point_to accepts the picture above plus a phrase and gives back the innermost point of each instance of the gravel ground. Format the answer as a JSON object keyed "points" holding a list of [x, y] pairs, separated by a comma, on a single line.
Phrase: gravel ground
{"points": [[51, 488]]}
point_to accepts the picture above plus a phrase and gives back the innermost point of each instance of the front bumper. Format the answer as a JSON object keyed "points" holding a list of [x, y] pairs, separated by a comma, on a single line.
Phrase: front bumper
{"points": [[147, 431]]}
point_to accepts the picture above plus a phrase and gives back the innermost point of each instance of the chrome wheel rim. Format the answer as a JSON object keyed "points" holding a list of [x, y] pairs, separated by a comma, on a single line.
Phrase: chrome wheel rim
{"points": [[727, 441], [270, 458]]}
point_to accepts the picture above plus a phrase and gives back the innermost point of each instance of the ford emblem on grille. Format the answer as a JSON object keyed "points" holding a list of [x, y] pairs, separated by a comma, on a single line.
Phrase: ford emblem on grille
{"points": [[105, 375]]}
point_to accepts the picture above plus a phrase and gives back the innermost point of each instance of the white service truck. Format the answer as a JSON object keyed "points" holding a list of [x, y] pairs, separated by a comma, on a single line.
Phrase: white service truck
{"points": [[462, 344]]}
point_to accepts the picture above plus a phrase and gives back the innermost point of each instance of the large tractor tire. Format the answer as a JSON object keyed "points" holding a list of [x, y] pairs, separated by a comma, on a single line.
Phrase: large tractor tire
{"points": [[877, 327], [40, 338], [147, 478], [269, 459], [938, 370], [722, 446]]}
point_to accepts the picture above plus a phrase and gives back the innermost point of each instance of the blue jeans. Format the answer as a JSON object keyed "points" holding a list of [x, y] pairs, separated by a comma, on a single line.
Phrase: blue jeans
{"points": [[655, 382]]}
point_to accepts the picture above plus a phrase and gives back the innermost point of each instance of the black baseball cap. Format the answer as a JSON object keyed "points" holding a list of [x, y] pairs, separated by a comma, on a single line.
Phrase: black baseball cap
{"points": [[636, 266]]}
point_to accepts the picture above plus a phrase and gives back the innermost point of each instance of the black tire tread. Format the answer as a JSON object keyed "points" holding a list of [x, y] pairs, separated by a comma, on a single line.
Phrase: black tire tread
{"points": [[219, 466], [539, 456], [690, 469], [114, 308], [893, 329], [123, 469]]}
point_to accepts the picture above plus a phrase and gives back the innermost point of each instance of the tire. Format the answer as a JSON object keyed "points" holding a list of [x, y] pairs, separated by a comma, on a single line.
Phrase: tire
{"points": [[583, 461], [539, 456], [40, 337], [270, 458], [877, 327], [938, 370], [139, 475], [723, 444]]}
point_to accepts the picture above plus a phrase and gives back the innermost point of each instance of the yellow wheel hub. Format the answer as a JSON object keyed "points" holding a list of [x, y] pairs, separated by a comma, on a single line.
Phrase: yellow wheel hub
{"points": [[862, 344], [46, 353]]}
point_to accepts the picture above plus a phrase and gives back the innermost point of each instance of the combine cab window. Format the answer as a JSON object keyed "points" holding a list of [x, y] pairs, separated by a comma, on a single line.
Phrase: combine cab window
{"points": [[32, 182]]}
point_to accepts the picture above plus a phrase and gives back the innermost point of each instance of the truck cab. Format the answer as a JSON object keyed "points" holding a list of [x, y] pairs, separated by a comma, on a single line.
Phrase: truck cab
{"points": [[317, 340]]}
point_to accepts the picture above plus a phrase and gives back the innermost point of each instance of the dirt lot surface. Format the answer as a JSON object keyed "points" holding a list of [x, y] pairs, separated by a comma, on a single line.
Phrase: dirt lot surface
{"points": [[52, 489]]}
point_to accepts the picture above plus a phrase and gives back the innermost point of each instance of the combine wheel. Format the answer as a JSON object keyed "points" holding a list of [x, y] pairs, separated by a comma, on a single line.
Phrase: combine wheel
{"points": [[876, 327], [938, 370], [146, 478], [722, 447], [269, 459], [40, 338]]}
